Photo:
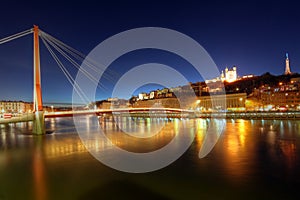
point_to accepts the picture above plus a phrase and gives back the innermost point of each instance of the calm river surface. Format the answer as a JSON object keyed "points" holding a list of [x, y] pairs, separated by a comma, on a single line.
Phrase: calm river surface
{"points": [[253, 159]]}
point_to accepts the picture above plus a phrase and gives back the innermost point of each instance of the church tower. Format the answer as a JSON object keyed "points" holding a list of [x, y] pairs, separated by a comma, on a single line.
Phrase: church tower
{"points": [[287, 65]]}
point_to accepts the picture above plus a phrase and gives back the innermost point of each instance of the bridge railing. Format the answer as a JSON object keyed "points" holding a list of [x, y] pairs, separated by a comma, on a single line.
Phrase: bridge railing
{"points": [[21, 118]]}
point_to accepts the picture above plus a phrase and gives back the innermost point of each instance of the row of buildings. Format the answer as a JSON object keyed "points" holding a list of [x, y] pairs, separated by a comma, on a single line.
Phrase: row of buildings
{"points": [[21, 107], [15, 107], [228, 92], [284, 96], [229, 102], [281, 97]]}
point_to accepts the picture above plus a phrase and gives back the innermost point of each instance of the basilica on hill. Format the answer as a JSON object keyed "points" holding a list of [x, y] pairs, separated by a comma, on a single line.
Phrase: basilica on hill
{"points": [[230, 75]]}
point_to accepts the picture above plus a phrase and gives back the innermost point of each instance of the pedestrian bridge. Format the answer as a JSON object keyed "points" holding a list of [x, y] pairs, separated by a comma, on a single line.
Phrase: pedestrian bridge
{"points": [[159, 113], [124, 112]]}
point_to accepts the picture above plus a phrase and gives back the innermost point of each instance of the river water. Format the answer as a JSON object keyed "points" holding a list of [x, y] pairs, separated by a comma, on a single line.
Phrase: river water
{"points": [[253, 159]]}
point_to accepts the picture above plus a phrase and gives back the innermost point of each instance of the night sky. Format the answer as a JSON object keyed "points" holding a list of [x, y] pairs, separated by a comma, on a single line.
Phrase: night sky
{"points": [[253, 35]]}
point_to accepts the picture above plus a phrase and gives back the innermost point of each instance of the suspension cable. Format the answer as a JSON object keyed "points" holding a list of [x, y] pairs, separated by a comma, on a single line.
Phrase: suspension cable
{"points": [[15, 36], [109, 75], [73, 62], [67, 74], [62, 48]]}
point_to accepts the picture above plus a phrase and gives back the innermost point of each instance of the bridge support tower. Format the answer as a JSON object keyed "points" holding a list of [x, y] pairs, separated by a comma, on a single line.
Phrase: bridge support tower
{"points": [[39, 119]]}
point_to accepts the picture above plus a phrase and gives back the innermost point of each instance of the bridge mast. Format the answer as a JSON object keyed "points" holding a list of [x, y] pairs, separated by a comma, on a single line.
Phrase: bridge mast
{"points": [[38, 123]]}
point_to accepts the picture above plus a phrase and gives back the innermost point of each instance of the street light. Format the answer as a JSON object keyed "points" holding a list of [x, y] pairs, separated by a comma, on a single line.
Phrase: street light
{"points": [[197, 104], [52, 108]]}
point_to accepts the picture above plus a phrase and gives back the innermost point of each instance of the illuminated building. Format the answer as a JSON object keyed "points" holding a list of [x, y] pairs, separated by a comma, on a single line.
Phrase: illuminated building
{"points": [[143, 96], [15, 106], [229, 76], [283, 96], [112, 103], [234, 102], [153, 94], [248, 76], [161, 102]]}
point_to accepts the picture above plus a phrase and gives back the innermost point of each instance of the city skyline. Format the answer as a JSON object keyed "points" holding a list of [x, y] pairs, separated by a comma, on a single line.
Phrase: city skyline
{"points": [[254, 38]]}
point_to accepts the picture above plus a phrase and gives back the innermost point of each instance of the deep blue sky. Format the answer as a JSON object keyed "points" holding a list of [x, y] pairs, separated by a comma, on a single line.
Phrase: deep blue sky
{"points": [[253, 35]]}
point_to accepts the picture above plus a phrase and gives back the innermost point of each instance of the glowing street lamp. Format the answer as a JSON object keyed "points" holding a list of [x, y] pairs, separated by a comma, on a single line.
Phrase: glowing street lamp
{"points": [[197, 104]]}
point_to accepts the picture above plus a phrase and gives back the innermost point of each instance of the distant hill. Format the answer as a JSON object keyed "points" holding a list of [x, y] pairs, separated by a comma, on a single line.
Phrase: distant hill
{"points": [[248, 85]]}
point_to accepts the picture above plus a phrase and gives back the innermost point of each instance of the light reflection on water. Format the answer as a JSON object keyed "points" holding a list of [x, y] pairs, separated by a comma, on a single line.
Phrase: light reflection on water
{"points": [[257, 157]]}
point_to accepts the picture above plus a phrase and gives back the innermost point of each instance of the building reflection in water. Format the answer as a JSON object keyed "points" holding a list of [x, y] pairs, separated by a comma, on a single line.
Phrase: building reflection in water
{"points": [[210, 132], [59, 145], [239, 140], [273, 143], [289, 151], [139, 134], [247, 150], [238, 149], [236, 141]]}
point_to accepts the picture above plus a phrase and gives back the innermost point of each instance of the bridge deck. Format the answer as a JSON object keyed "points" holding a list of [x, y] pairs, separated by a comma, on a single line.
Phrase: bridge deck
{"points": [[23, 118], [160, 112]]}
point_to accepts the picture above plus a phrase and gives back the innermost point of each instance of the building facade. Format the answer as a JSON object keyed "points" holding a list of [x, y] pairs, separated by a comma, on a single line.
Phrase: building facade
{"points": [[229, 102], [284, 96], [162, 102], [15, 107], [230, 75]]}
